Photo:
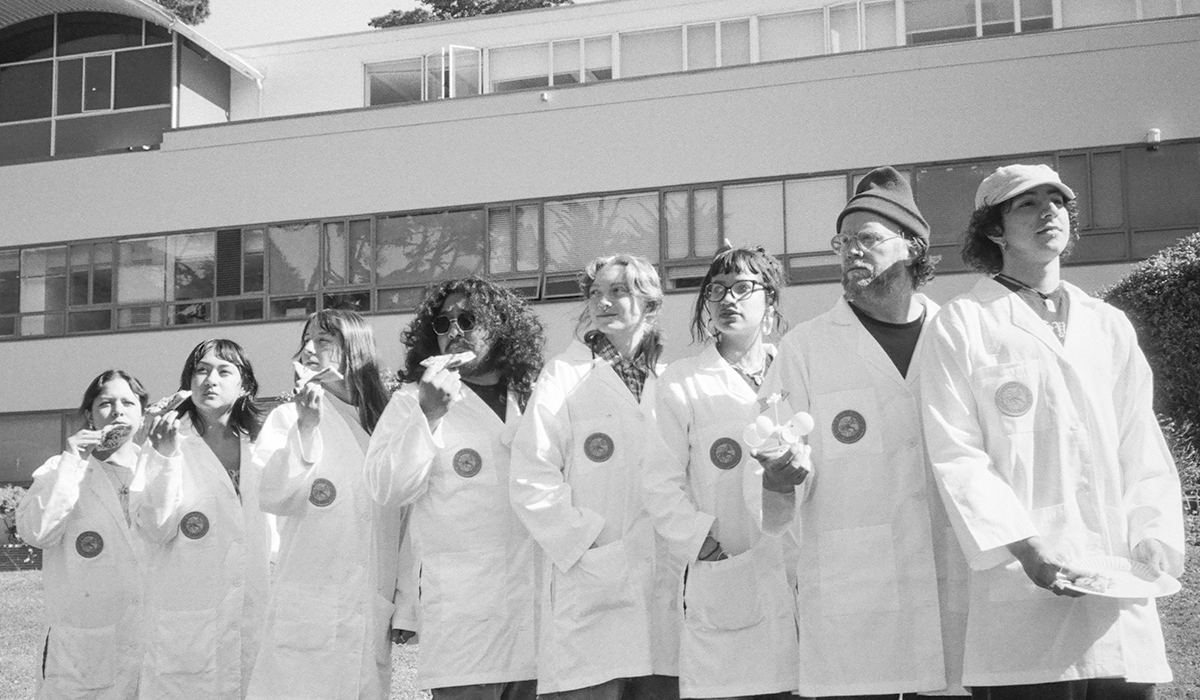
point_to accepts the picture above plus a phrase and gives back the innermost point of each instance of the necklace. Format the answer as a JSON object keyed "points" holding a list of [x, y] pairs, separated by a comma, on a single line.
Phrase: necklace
{"points": [[755, 377], [1013, 282]]}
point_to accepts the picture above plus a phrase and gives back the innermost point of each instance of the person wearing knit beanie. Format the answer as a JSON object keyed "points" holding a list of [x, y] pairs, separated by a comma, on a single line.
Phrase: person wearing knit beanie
{"points": [[870, 516]]}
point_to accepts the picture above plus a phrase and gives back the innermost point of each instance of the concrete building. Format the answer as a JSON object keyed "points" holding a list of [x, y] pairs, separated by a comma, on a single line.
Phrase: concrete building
{"points": [[158, 190]]}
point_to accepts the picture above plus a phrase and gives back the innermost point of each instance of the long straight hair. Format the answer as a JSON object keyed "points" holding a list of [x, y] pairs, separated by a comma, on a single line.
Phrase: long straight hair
{"points": [[360, 363], [246, 416], [644, 283]]}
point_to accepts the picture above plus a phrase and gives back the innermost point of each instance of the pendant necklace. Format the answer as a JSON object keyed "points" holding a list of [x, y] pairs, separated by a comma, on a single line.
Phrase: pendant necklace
{"points": [[1018, 283]]}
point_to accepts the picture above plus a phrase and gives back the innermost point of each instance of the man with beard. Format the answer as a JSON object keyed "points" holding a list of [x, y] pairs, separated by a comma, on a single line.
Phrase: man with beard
{"points": [[442, 445], [873, 535]]}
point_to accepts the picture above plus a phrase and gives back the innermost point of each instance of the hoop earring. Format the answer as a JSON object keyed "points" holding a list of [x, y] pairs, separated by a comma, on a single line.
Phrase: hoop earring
{"points": [[1000, 242]]}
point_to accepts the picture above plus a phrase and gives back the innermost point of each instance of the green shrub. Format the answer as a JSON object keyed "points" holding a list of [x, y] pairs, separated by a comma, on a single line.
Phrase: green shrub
{"points": [[1161, 296], [10, 498]]}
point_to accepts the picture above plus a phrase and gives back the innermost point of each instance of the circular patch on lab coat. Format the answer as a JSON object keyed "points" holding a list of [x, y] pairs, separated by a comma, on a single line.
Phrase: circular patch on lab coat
{"points": [[598, 447], [725, 453], [849, 427], [194, 525], [323, 492], [89, 544], [467, 463], [1014, 399]]}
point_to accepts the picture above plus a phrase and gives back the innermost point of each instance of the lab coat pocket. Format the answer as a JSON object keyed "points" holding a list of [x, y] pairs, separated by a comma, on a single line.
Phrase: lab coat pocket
{"points": [[1009, 396], [600, 583], [464, 585], [1010, 582], [850, 424], [81, 658], [858, 571], [185, 642], [305, 616], [723, 595]]}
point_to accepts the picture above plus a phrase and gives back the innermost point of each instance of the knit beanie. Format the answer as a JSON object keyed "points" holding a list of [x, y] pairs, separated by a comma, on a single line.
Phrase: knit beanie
{"points": [[885, 192]]}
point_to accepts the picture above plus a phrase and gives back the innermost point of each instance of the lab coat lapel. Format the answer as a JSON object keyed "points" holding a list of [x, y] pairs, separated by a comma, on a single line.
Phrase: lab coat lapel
{"points": [[989, 290], [102, 488], [860, 340], [349, 430]]}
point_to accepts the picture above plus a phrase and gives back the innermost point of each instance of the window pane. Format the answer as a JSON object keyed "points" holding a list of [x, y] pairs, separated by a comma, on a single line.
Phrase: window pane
{"points": [[293, 308], [84, 32], [253, 260], [500, 235], [735, 42], [361, 253], [1036, 15], [28, 439], [528, 251], [597, 59], [400, 299], [189, 314], [843, 28], [8, 326], [42, 324], [518, 68], [143, 78], [1163, 186], [881, 24], [1158, 8], [945, 195], [349, 301], [240, 310], [396, 82], [434, 77], [754, 215], [156, 34], [566, 62], [142, 271], [652, 52], [43, 279], [675, 216], [97, 82], [27, 141], [1108, 207], [813, 206], [1077, 13], [293, 251], [582, 229], [10, 282], [791, 35], [335, 253], [27, 40], [701, 46], [140, 317], [466, 71], [89, 321], [1073, 170], [111, 132], [70, 86], [79, 282], [997, 17], [705, 227], [424, 248], [939, 20], [26, 91], [194, 256]]}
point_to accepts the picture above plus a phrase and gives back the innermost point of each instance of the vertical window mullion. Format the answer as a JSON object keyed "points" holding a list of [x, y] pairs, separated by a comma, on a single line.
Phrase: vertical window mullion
{"points": [[1016, 16], [718, 49], [582, 61], [112, 80], [978, 18], [754, 38]]}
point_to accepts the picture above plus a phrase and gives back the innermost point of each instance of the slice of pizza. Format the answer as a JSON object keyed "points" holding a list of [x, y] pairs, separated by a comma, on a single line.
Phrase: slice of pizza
{"points": [[168, 403], [450, 361], [113, 434]]}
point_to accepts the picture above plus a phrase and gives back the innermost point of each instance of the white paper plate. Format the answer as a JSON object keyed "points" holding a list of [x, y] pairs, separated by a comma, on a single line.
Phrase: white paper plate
{"points": [[1130, 579]]}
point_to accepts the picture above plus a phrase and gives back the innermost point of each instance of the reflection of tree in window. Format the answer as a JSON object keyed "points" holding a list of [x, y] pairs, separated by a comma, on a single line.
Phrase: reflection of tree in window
{"points": [[293, 252], [194, 266], [579, 230], [427, 247]]}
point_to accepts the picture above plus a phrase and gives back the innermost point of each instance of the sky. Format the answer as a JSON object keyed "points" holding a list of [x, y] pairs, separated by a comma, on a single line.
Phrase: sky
{"points": [[235, 23]]}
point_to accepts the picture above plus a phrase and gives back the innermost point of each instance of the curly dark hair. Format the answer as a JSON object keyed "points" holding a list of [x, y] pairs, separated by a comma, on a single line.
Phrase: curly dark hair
{"points": [[922, 269], [755, 261], [980, 252], [517, 335]]}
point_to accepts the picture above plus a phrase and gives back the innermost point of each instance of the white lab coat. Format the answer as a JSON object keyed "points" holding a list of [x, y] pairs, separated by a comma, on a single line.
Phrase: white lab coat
{"points": [[329, 617], [868, 597], [208, 555], [607, 612], [1029, 436], [738, 617], [476, 563], [93, 567]]}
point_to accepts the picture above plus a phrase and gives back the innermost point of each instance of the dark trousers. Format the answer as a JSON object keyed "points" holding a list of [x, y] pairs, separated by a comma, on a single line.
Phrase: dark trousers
{"points": [[640, 688], [515, 690], [1087, 689]]}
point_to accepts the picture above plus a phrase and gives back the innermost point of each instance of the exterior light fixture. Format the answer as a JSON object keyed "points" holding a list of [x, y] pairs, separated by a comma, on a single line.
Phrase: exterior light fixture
{"points": [[1153, 139]]}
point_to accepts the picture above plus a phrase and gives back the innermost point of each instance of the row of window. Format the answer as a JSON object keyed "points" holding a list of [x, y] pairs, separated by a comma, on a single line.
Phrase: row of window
{"points": [[838, 27], [1132, 202]]}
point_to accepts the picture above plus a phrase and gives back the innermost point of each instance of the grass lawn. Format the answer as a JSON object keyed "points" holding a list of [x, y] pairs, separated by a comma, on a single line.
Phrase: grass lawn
{"points": [[21, 614]]}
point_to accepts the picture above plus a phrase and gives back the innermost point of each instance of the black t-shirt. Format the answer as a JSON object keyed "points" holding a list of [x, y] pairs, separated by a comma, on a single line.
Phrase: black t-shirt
{"points": [[495, 396], [898, 340], [1051, 308]]}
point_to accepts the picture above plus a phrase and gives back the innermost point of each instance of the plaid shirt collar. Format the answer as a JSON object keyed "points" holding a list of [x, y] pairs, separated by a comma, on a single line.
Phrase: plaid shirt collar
{"points": [[632, 372]]}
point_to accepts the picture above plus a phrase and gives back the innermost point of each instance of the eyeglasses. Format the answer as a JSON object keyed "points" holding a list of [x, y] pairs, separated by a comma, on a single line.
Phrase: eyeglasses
{"points": [[865, 239], [742, 289], [464, 321]]}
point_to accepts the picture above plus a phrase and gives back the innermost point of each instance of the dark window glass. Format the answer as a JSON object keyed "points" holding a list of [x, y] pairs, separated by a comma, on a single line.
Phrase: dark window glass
{"points": [[349, 301], [111, 132], [1163, 186], [89, 321], [28, 439], [156, 34], [10, 282], [84, 32], [80, 282], [253, 261], [293, 308], [97, 82], [1108, 205], [8, 325], [400, 299], [240, 310], [26, 91], [143, 78], [427, 247], [139, 316], [70, 86], [193, 254], [397, 82], [102, 277], [42, 324], [1073, 169], [229, 262], [945, 194], [188, 314], [24, 141], [27, 40]]}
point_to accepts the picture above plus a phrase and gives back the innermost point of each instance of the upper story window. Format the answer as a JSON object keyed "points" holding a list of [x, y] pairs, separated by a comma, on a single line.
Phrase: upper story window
{"points": [[457, 71], [82, 82]]}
